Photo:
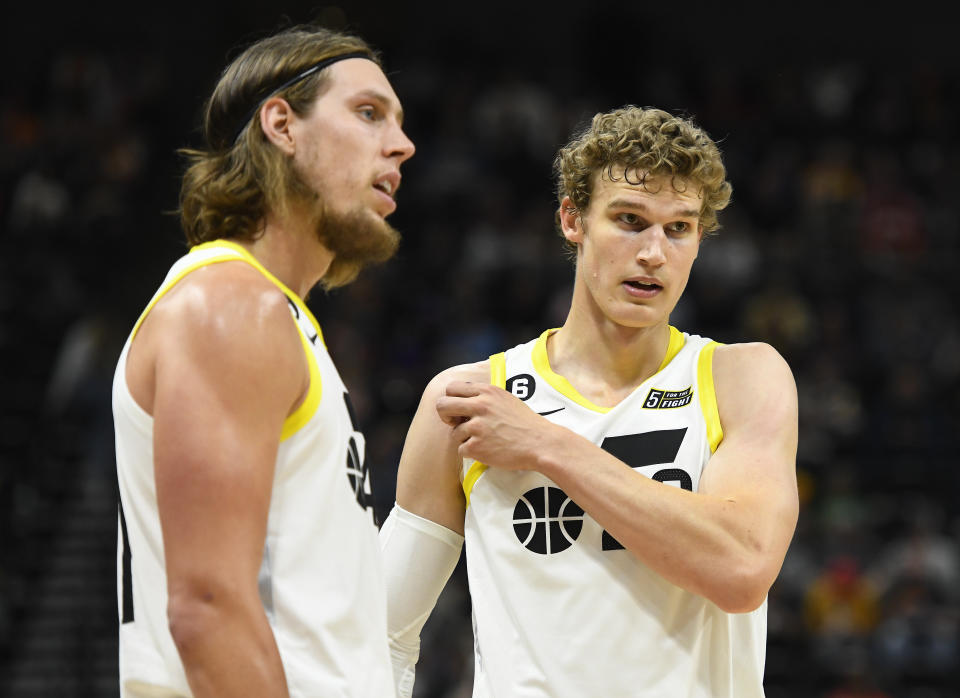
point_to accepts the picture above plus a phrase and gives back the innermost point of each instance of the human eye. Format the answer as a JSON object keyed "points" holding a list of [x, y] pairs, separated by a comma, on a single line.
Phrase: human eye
{"points": [[629, 219], [369, 112], [679, 227]]}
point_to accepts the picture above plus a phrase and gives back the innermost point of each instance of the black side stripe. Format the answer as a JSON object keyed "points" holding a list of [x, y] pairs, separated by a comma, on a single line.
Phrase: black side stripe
{"points": [[127, 576]]}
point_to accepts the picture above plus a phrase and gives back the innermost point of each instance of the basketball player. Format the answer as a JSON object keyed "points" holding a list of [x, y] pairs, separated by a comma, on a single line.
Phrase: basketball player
{"points": [[248, 559], [626, 490]]}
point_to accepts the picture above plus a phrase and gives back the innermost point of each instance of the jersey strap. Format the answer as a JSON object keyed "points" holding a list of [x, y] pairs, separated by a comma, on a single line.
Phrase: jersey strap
{"points": [[254, 262], [708, 395], [226, 257], [233, 252], [541, 363]]}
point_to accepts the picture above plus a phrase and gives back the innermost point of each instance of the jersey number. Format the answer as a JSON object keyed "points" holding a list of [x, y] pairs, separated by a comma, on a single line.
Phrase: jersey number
{"points": [[650, 448]]}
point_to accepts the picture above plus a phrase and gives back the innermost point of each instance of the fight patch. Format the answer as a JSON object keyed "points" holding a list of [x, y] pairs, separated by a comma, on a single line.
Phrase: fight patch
{"points": [[658, 399]]}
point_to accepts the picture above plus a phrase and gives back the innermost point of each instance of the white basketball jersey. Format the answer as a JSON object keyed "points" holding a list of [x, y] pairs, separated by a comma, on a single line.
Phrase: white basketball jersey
{"points": [[561, 609], [320, 580]]}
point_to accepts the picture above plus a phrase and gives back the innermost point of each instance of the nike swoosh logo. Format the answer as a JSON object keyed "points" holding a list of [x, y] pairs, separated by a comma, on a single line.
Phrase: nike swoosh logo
{"points": [[544, 414]]}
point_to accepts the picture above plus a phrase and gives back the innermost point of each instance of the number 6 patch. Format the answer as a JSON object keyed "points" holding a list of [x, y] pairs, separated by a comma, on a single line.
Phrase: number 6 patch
{"points": [[522, 386]]}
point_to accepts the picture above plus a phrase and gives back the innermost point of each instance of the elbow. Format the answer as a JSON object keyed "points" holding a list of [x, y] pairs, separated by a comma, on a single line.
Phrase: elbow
{"points": [[191, 615], [740, 600], [743, 590]]}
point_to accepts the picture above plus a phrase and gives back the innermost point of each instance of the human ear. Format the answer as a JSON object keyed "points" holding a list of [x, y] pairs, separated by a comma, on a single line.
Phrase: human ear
{"points": [[276, 116], [570, 222]]}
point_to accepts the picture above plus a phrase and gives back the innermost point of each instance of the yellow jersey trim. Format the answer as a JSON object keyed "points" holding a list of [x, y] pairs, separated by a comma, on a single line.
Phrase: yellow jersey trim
{"points": [[498, 377], [498, 370], [677, 340], [541, 362], [307, 408], [708, 396], [470, 479], [173, 282], [252, 261]]}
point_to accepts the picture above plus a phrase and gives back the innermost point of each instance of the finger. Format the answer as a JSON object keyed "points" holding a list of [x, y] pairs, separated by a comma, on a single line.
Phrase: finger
{"points": [[465, 449], [465, 433], [453, 421], [450, 407], [463, 389]]}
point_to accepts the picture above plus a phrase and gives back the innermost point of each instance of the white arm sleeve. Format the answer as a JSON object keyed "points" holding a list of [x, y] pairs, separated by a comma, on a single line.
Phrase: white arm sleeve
{"points": [[418, 558]]}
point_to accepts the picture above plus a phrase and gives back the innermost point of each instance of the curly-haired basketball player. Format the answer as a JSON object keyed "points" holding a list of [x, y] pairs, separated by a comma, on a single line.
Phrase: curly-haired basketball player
{"points": [[626, 490]]}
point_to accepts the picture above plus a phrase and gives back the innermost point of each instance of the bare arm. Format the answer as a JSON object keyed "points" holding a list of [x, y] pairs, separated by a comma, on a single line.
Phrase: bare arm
{"points": [[725, 542], [229, 368], [428, 478]]}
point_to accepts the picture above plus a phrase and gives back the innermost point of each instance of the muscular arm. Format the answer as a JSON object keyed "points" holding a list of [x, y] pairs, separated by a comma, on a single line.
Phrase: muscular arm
{"points": [[725, 542], [228, 368]]}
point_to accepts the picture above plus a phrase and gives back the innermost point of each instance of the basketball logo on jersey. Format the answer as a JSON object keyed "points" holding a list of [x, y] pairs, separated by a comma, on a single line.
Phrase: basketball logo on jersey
{"points": [[358, 472], [546, 520], [658, 399], [521, 386]]}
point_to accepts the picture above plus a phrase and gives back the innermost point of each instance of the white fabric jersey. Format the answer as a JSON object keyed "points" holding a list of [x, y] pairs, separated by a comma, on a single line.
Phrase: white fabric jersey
{"points": [[320, 581], [561, 610]]}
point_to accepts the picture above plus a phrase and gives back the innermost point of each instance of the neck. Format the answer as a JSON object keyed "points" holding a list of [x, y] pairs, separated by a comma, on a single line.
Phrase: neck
{"points": [[290, 251], [602, 359]]}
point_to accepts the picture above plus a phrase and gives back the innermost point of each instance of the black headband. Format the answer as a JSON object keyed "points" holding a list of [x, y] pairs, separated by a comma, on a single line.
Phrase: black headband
{"points": [[316, 67]]}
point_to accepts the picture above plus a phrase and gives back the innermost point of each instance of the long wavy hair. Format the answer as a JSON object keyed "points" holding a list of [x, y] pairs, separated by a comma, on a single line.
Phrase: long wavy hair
{"points": [[632, 141], [230, 185]]}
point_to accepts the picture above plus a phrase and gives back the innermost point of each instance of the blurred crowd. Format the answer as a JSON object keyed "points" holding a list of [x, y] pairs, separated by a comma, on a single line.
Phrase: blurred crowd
{"points": [[841, 249]]}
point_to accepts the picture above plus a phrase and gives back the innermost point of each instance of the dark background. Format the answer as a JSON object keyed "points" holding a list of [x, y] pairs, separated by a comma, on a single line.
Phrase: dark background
{"points": [[839, 126]]}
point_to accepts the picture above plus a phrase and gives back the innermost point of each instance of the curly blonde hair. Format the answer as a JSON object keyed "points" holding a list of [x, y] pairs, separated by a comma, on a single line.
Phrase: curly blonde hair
{"points": [[648, 142], [229, 185]]}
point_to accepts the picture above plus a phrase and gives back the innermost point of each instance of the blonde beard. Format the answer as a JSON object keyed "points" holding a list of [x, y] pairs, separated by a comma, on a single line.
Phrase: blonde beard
{"points": [[356, 238]]}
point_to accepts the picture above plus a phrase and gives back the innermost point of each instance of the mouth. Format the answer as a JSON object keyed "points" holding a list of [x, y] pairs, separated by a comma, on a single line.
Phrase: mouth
{"points": [[642, 288], [386, 187], [388, 183], [643, 285]]}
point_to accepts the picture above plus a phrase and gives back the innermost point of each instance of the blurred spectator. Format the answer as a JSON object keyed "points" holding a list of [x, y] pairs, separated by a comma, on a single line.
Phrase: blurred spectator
{"points": [[841, 611]]}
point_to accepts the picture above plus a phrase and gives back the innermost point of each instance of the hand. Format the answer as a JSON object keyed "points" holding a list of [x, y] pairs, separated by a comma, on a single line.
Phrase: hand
{"points": [[492, 426]]}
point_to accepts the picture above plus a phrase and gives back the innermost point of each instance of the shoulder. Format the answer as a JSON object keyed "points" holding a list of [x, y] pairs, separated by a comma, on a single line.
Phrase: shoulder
{"points": [[227, 296], [478, 372], [753, 378], [747, 357], [227, 312]]}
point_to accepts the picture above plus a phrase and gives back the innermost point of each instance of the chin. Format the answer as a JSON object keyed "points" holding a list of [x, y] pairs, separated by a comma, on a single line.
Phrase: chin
{"points": [[635, 320]]}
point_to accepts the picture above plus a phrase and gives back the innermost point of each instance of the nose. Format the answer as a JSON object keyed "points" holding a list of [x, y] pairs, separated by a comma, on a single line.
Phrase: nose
{"points": [[399, 146], [652, 246]]}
